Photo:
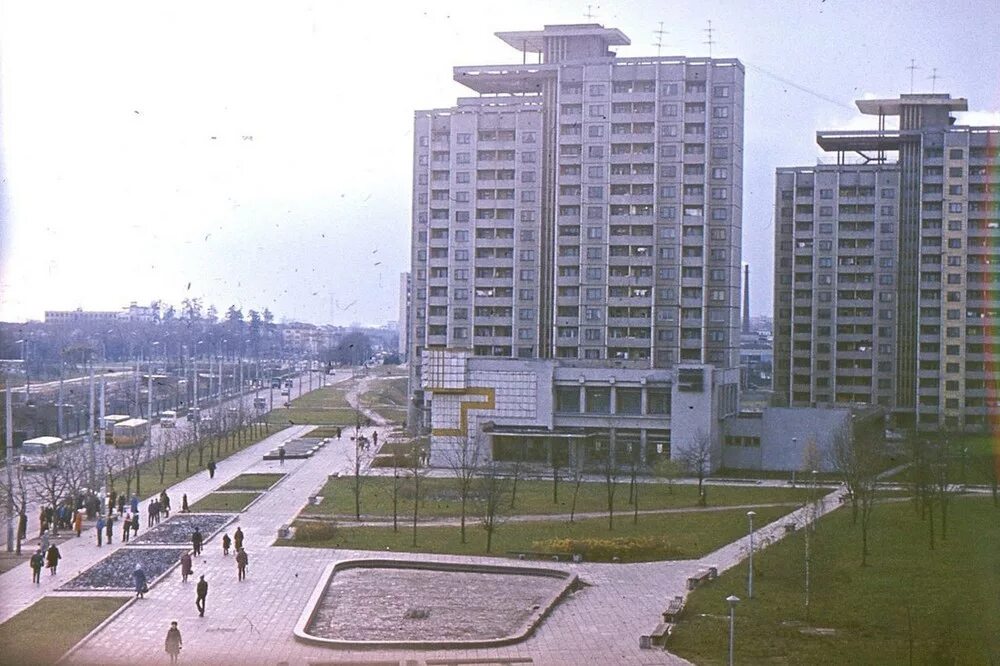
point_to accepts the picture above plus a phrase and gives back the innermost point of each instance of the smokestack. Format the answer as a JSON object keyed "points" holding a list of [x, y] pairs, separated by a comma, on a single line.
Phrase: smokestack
{"points": [[746, 299]]}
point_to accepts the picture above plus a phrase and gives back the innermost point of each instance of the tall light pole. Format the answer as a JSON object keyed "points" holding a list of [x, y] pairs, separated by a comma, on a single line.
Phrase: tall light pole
{"points": [[806, 530], [750, 515], [8, 368], [815, 502], [732, 599], [27, 374]]}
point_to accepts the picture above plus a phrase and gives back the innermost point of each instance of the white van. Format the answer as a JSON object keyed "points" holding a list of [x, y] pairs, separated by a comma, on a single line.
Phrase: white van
{"points": [[168, 419]]}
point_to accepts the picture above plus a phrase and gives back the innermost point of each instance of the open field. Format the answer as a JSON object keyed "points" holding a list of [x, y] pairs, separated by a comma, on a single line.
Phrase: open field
{"points": [[325, 406], [441, 499], [29, 637], [224, 502], [388, 398], [944, 603], [678, 536]]}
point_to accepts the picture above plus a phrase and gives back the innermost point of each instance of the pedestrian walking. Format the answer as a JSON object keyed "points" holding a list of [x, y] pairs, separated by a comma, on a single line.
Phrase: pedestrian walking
{"points": [[37, 562], [186, 568], [184, 504], [281, 455], [338, 433], [126, 526], [202, 592], [78, 521], [173, 643], [52, 557], [100, 530], [135, 524], [150, 511], [165, 503], [242, 559], [141, 584], [196, 540], [238, 538], [44, 541], [211, 469], [226, 542], [135, 503], [121, 504], [109, 527]]}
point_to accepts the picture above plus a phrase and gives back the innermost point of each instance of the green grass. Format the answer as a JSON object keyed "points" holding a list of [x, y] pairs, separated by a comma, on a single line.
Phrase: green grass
{"points": [[47, 629], [972, 460], [388, 399], [441, 498], [224, 502], [686, 535], [294, 416], [252, 482], [952, 594]]}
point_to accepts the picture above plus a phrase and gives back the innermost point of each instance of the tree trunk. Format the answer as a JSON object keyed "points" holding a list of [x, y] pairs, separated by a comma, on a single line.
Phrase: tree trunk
{"points": [[464, 493]]}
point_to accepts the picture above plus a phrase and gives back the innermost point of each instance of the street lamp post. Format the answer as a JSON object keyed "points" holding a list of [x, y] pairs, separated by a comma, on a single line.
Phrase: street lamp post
{"points": [[732, 599], [8, 367], [750, 515], [815, 502]]}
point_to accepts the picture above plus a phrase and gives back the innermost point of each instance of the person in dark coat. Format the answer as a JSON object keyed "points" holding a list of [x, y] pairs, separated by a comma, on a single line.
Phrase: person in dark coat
{"points": [[202, 592], [226, 542], [52, 558], [100, 530], [186, 567], [211, 469], [135, 524], [242, 559], [22, 526], [281, 455], [134, 503], [151, 513], [109, 527], [126, 527], [196, 541], [141, 584], [184, 504], [165, 503], [238, 539], [173, 642], [37, 561]]}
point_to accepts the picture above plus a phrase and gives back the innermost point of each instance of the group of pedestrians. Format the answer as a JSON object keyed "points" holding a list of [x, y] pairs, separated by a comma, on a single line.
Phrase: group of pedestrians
{"points": [[158, 507], [49, 558]]}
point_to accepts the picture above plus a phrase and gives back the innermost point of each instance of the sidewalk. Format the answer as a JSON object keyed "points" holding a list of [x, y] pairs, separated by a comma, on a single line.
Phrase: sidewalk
{"points": [[79, 554]]}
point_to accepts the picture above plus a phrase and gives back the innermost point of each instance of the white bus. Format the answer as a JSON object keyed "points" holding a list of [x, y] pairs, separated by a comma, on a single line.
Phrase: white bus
{"points": [[109, 426], [168, 419], [41, 452], [130, 433]]}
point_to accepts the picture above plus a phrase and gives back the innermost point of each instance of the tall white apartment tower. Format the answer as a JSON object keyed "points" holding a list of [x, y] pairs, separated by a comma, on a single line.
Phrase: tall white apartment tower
{"points": [[582, 208]]}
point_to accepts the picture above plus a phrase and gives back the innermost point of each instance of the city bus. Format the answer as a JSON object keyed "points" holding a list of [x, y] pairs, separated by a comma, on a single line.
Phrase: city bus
{"points": [[109, 426], [41, 452], [168, 419], [131, 433]]}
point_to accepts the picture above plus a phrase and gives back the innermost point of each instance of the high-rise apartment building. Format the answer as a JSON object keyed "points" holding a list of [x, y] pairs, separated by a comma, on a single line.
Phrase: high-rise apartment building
{"points": [[887, 277], [583, 210]]}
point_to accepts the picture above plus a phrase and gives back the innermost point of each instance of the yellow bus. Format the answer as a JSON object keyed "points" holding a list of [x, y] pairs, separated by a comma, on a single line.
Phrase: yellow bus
{"points": [[109, 426], [131, 433]]}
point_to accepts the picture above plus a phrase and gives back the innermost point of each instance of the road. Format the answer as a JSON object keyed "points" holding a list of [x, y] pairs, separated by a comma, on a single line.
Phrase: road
{"points": [[300, 386]]}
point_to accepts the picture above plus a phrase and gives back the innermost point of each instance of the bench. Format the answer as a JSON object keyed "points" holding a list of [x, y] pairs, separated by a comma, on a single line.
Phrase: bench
{"points": [[658, 638], [703, 576], [673, 609]]}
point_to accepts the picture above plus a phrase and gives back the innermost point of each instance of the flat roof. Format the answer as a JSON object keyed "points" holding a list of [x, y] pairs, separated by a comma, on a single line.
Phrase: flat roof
{"points": [[893, 107], [533, 41]]}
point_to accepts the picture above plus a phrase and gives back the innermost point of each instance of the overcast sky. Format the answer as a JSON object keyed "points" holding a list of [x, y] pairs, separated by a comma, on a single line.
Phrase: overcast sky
{"points": [[261, 154]]}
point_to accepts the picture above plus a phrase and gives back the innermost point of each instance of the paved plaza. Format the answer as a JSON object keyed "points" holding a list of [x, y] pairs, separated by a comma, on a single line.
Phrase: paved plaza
{"points": [[252, 622]]}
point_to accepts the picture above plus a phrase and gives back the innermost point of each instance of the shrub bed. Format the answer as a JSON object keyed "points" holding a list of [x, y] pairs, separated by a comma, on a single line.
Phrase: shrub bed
{"points": [[626, 549]]}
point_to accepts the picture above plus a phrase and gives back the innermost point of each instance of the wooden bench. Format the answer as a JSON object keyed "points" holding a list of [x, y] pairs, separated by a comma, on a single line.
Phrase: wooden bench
{"points": [[673, 609], [703, 576], [658, 638]]}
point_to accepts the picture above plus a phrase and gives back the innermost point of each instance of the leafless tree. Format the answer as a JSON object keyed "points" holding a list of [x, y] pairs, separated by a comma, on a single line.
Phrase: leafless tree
{"points": [[518, 464], [416, 473], [464, 462], [49, 486], [492, 490], [940, 473], [609, 467], [697, 459], [16, 492], [668, 470], [362, 455], [858, 462]]}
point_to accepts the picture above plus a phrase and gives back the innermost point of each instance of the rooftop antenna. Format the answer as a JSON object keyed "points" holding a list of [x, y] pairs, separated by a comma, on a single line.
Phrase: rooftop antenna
{"points": [[913, 67], [709, 30], [934, 79], [659, 38], [589, 15]]}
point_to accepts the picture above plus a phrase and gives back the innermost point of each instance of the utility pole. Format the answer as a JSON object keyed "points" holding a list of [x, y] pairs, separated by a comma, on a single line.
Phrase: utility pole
{"points": [[61, 425], [9, 441], [102, 425], [90, 430]]}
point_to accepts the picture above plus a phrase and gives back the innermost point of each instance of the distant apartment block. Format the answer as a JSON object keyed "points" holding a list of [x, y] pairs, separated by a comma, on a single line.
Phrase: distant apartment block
{"points": [[134, 313], [578, 221], [887, 276]]}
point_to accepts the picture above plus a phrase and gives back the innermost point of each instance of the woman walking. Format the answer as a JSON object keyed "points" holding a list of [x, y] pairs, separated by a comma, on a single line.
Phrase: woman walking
{"points": [[139, 578], [174, 642]]}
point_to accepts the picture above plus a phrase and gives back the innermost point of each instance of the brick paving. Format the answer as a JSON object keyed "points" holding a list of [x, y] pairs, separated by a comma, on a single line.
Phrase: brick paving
{"points": [[252, 622]]}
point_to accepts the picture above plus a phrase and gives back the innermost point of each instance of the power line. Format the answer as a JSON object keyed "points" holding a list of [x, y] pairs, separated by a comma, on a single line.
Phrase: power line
{"points": [[797, 86]]}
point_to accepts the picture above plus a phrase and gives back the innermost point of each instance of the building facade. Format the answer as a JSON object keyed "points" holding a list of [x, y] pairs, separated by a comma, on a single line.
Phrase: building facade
{"points": [[887, 276], [583, 210]]}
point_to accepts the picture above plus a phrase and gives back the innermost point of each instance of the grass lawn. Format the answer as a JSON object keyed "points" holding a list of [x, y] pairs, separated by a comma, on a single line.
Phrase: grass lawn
{"points": [[952, 595], [224, 502], [44, 631], [441, 498], [325, 406], [686, 535], [972, 461], [388, 398], [252, 482]]}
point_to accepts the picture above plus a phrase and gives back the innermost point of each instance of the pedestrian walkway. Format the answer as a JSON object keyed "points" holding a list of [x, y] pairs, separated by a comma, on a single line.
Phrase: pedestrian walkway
{"points": [[79, 554]]}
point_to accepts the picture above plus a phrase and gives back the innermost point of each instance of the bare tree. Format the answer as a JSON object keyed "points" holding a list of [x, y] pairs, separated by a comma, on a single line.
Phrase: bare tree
{"points": [[17, 494], [362, 455], [940, 469], [609, 465], [492, 491], [464, 462], [668, 470], [858, 461], [697, 459], [416, 473], [518, 463], [49, 486]]}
